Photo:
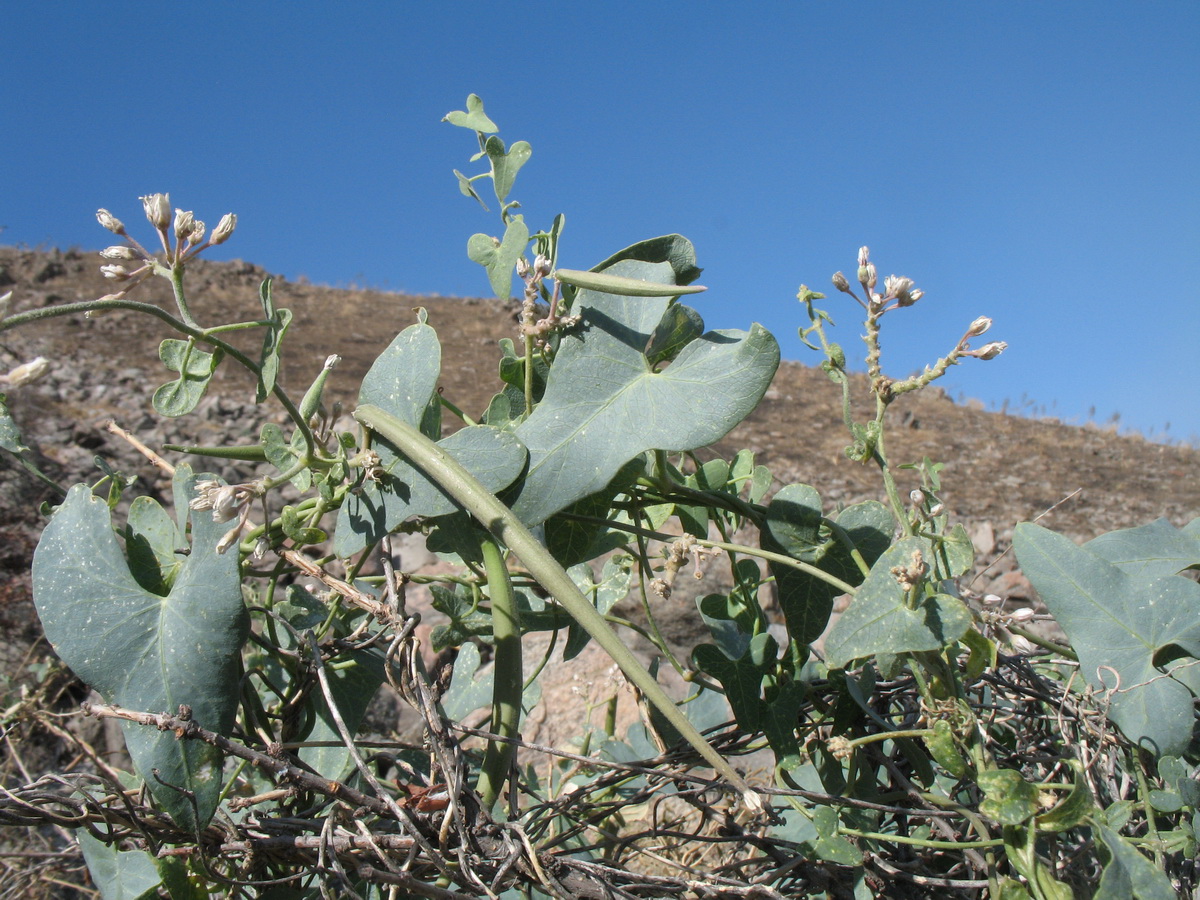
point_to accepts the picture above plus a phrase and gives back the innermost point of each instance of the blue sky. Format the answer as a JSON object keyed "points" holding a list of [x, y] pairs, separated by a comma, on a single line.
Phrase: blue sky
{"points": [[1033, 162]]}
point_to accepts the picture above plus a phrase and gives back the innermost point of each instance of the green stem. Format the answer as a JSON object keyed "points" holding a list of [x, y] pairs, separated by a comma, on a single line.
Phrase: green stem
{"points": [[190, 329], [176, 279], [507, 528], [529, 347], [507, 677], [768, 555]]}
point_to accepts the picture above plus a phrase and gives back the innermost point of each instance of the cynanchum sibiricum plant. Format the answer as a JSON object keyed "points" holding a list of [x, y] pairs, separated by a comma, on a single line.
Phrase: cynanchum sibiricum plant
{"points": [[924, 740]]}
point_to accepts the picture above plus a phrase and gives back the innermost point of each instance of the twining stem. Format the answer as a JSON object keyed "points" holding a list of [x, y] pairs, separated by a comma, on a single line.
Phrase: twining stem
{"points": [[189, 328], [507, 673], [497, 518]]}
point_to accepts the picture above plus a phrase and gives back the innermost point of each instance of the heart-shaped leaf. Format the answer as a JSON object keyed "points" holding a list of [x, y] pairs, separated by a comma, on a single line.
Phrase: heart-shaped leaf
{"points": [[195, 368], [879, 621], [473, 118], [146, 651], [604, 404], [506, 164], [806, 599], [500, 257], [1149, 551], [1128, 630], [119, 874], [402, 381]]}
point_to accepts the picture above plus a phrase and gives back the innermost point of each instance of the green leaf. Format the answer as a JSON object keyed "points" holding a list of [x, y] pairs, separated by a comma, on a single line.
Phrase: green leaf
{"points": [[474, 117], [879, 621], [1129, 874], [402, 381], [10, 435], [492, 455], [742, 678], [794, 520], [353, 680], [1148, 551], [195, 368], [155, 548], [830, 845], [679, 326], [283, 453], [145, 651], [1127, 630], [506, 164], [279, 320], [606, 593], [605, 405], [468, 189], [1009, 798], [727, 623], [944, 750], [959, 551], [807, 600], [499, 257], [119, 874]]}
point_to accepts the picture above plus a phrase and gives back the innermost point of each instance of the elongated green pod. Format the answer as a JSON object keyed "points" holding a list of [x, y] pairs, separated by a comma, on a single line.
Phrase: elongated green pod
{"points": [[507, 528], [249, 453], [625, 287]]}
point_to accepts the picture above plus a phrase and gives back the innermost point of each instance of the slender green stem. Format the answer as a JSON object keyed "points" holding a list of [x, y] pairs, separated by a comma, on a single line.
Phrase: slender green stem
{"points": [[188, 328], [920, 842], [507, 677], [176, 279], [529, 347], [768, 555], [506, 527]]}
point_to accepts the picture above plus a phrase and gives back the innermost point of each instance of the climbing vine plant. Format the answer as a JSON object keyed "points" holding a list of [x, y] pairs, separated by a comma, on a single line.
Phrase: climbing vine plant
{"points": [[924, 739]]}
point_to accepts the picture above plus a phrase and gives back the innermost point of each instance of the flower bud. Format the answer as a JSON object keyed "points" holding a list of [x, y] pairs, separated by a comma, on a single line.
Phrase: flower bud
{"points": [[109, 221], [115, 273], [993, 599], [913, 297], [872, 277], [522, 267], [1023, 614], [1023, 645], [224, 229], [127, 253], [979, 326], [196, 235], [864, 256], [917, 498], [27, 372], [937, 509], [184, 219], [541, 265], [898, 287], [840, 282], [990, 351], [158, 210]]}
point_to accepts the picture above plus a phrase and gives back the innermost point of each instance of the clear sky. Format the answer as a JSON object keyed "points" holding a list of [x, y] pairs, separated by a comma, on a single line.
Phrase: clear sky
{"points": [[1035, 162]]}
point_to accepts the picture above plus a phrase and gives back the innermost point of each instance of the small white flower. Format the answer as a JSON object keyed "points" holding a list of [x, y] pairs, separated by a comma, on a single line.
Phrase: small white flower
{"points": [[158, 210], [184, 219], [223, 499], [120, 252], [224, 229], [109, 221], [115, 272]]}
